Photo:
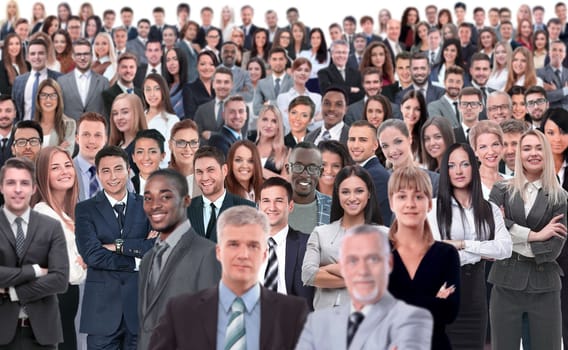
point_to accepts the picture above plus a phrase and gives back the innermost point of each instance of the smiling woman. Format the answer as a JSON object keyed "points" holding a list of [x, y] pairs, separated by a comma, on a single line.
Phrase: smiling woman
{"points": [[244, 170]]}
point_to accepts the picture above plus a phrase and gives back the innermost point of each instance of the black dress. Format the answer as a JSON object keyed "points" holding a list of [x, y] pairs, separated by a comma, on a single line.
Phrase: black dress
{"points": [[440, 264]]}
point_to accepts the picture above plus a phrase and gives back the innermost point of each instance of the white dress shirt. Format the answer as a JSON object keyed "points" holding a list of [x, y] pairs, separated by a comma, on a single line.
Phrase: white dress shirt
{"points": [[28, 98], [335, 132], [280, 238], [83, 82], [520, 234]]}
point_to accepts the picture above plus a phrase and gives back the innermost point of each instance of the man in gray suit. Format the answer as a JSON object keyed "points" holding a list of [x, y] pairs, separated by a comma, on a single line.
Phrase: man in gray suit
{"points": [[269, 88], [386, 323], [209, 116], [555, 76], [138, 45], [447, 105], [34, 267], [82, 88], [181, 261], [242, 85]]}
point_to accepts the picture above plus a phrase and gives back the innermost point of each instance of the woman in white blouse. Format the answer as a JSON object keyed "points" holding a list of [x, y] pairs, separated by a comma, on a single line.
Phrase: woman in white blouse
{"points": [[104, 57], [461, 217], [56, 196]]}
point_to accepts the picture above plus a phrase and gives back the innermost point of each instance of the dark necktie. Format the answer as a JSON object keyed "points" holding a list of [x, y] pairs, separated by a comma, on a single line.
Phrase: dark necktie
{"points": [[93, 183], [326, 136], [422, 91], [484, 93], [119, 209], [154, 71], [355, 320], [271, 274], [20, 237], [432, 57], [129, 90], [276, 87], [212, 222], [558, 77], [157, 266], [34, 93], [457, 111]]}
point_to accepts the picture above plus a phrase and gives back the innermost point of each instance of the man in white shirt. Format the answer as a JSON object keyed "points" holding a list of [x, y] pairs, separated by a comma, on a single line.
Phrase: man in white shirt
{"points": [[447, 105], [138, 45], [434, 40], [470, 106], [537, 105], [333, 108]]}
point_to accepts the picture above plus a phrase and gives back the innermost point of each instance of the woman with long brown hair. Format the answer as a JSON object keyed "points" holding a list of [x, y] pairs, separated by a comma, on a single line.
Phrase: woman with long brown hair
{"points": [[244, 171], [13, 63]]}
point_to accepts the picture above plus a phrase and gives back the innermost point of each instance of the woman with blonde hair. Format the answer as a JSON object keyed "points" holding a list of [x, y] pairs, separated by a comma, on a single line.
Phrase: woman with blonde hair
{"points": [[527, 285], [58, 129], [498, 78], [522, 72], [12, 16], [104, 56], [56, 196], [227, 22], [38, 16], [270, 141], [425, 273]]}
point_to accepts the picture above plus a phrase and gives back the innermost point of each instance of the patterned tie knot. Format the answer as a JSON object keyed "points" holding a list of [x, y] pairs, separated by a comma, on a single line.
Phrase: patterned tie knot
{"points": [[92, 170], [19, 220], [272, 243], [129, 90], [238, 306]]}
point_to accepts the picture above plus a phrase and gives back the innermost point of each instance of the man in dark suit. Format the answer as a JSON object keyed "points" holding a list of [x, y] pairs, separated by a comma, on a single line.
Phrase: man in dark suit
{"points": [[420, 73], [470, 107], [34, 267], [112, 234], [479, 71], [274, 84], [247, 12], [362, 145], [272, 320], [234, 121], [137, 45], [367, 27], [26, 85], [356, 55], [402, 69], [333, 109], [91, 138], [209, 116], [181, 261], [392, 40], [153, 54], [159, 25], [210, 172], [206, 23], [126, 71], [271, 20], [289, 245], [555, 76], [7, 118], [339, 74], [126, 16], [385, 323], [82, 88]]}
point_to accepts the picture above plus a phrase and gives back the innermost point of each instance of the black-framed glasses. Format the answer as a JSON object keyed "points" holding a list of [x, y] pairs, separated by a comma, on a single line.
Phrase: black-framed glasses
{"points": [[538, 101], [470, 104], [82, 54], [503, 107], [183, 143], [298, 168], [33, 142], [46, 96]]}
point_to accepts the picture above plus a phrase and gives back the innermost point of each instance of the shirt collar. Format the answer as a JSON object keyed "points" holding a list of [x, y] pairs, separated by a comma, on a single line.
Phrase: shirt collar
{"points": [[362, 164], [280, 236], [84, 165], [218, 202], [174, 237], [250, 298], [334, 128], [114, 201], [78, 74], [12, 217]]}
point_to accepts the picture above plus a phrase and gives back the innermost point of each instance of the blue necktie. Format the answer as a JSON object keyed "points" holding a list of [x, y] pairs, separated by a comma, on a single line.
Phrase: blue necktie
{"points": [[34, 94], [129, 90], [93, 183]]}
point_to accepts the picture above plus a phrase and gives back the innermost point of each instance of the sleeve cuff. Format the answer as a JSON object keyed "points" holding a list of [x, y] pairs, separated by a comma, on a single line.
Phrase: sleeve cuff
{"points": [[13, 294], [519, 234]]}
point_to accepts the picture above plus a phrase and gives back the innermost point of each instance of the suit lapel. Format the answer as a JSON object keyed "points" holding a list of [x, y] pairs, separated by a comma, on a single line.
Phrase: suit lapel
{"points": [[74, 96], [372, 321], [107, 212], [32, 228], [92, 88], [268, 316], [291, 257], [196, 214], [208, 311], [130, 215], [338, 328], [6, 230], [538, 210]]}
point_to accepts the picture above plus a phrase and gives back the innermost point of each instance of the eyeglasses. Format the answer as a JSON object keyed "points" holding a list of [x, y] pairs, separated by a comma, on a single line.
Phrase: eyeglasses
{"points": [[82, 54], [183, 143], [298, 168], [502, 107], [470, 104], [33, 142], [539, 102], [46, 96]]}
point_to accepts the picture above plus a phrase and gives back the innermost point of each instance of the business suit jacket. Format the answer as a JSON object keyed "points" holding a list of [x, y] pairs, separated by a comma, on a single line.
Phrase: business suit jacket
{"points": [[205, 117], [380, 177], [432, 93], [556, 98], [44, 245], [191, 56], [391, 49], [132, 32], [460, 135], [313, 135], [141, 71], [331, 76], [223, 140], [249, 36], [541, 274], [390, 91], [156, 33], [281, 320], [242, 85], [265, 91], [194, 95], [389, 323], [19, 88], [441, 107], [112, 281], [138, 48], [73, 106], [191, 267], [110, 94], [5, 87], [195, 212], [296, 242], [356, 110]]}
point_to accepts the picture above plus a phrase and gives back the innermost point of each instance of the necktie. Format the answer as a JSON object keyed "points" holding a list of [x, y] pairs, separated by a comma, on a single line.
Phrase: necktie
{"points": [[93, 183], [212, 222], [358, 60], [559, 77], [271, 274], [220, 113], [118, 53], [4, 142], [34, 93], [432, 57], [20, 238], [342, 72], [276, 87], [423, 92], [129, 90], [119, 209], [484, 93], [326, 135], [355, 320], [157, 266], [235, 334], [154, 71], [457, 111]]}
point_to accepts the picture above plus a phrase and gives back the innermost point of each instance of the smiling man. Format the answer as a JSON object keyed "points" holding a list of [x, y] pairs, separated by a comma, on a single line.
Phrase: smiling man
{"points": [[333, 109], [27, 138], [537, 104], [181, 261], [235, 117], [447, 105], [210, 171], [373, 319], [223, 85]]}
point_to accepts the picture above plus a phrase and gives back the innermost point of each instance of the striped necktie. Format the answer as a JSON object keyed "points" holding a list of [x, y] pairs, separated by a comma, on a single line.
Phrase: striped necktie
{"points": [[271, 274], [235, 334]]}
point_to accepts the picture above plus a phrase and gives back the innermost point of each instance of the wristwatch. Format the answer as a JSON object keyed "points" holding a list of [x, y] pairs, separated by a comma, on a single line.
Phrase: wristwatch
{"points": [[118, 245]]}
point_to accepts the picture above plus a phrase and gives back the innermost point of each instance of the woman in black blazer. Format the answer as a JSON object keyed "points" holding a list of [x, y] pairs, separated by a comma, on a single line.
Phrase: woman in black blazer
{"points": [[200, 91], [12, 64]]}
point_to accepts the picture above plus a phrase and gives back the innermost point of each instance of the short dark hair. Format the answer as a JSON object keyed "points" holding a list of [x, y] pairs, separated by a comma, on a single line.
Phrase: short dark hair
{"points": [[277, 49], [92, 117], [111, 151], [364, 123], [180, 182], [108, 12], [403, 55], [278, 182], [292, 9], [27, 124], [18, 163], [337, 88], [152, 134], [478, 9], [6, 97], [350, 19], [126, 9], [82, 42], [38, 41], [183, 7], [537, 8], [158, 9], [460, 4], [209, 152], [223, 70], [304, 101], [143, 20], [479, 56], [535, 90], [470, 91]]}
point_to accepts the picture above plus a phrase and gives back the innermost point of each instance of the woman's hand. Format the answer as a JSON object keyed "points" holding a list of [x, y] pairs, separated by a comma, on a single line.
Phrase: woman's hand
{"points": [[445, 292], [81, 262], [554, 228]]}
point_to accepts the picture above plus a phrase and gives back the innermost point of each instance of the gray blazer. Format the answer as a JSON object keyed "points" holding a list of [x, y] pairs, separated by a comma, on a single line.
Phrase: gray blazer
{"points": [[313, 135], [389, 323], [323, 249], [136, 47], [242, 85], [538, 274], [205, 117], [265, 91], [556, 97], [94, 102], [191, 61], [442, 108], [190, 267], [44, 245]]}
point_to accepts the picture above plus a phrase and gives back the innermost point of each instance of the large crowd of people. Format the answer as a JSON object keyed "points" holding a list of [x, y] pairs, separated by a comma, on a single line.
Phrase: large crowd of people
{"points": [[377, 184]]}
